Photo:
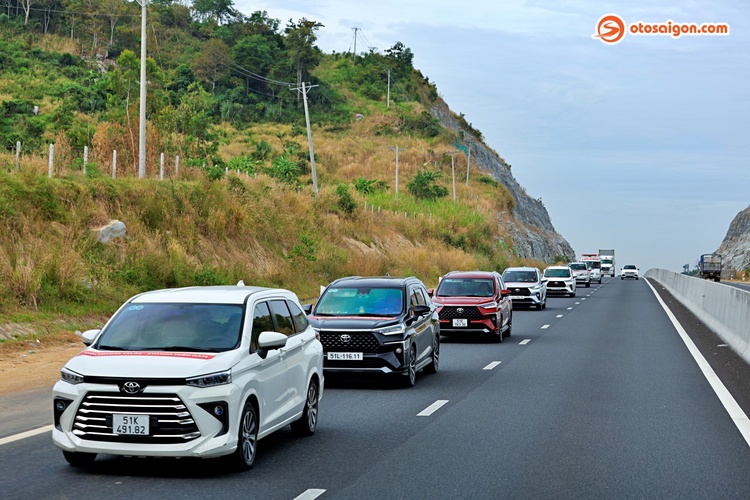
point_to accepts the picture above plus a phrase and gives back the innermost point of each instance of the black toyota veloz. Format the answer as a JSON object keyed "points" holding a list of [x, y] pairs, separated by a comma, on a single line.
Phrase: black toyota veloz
{"points": [[378, 325]]}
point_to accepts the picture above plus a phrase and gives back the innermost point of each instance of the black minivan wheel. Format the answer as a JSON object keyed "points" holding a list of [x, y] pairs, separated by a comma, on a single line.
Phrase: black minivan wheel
{"points": [[432, 368]]}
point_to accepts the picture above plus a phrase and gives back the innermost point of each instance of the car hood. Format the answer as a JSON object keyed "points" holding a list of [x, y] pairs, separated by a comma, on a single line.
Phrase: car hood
{"points": [[352, 322], [462, 301], [150, 364]]}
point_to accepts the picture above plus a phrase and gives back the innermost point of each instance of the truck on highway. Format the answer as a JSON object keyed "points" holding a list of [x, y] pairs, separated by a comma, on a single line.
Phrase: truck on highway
{"points": [[709, 266], [607, 260]]}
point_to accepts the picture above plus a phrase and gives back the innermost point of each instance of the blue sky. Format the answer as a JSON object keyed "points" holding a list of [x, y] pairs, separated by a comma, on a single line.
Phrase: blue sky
{"points": [[642, 146]]}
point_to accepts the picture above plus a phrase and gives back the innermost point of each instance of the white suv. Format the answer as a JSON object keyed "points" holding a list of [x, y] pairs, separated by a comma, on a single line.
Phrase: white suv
{"points": [[628, 271], [560, 279], [191, 372]]}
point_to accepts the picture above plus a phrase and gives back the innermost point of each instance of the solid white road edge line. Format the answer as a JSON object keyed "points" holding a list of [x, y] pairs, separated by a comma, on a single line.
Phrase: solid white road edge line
{"points": [[730, 405], [432, 408], [24, 435], [491, 365], [310, 494], [524, 342]]}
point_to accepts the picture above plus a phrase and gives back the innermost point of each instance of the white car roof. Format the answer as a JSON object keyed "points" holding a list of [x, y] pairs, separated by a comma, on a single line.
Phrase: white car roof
{"points": [[219, 294]]}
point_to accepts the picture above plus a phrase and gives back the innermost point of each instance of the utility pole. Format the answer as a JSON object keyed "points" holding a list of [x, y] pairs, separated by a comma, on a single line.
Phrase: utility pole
{"points": [[355, 41], [453, 172], [304, 91], [388, 102], [469, 142], [142, 120], [397, 149]]}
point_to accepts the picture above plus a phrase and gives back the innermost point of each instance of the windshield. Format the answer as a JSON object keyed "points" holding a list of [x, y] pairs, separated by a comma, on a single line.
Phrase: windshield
{"points": [[629, 267], [519, 277], [173, 327], [353, 301], [465, 287], [557, 273], [578, 266]]}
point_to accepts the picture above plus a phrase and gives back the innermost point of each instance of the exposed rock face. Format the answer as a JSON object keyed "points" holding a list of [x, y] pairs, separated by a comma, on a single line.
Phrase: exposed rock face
{"points": [[736, 245], [534, 235]]}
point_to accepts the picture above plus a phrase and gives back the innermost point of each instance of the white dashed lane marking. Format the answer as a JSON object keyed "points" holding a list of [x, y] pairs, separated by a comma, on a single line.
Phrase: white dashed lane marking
{"points": [[310, 494], [544, 327], [524, 342], [491, 365], [559, 316], [432, 408]]}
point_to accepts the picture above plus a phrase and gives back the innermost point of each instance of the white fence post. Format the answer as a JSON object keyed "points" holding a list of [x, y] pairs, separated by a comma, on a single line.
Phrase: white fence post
{"points": [[18, 155], [114, 163], [51, 159], [177, 165], [85, 158], [161, 167]]}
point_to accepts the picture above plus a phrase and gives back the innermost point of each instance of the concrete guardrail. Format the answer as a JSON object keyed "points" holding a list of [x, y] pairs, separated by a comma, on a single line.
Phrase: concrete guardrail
{"points": [[724, 309]]}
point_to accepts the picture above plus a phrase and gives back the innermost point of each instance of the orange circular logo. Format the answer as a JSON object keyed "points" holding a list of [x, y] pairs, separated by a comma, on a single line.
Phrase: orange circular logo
{"points": [[610, 29]]}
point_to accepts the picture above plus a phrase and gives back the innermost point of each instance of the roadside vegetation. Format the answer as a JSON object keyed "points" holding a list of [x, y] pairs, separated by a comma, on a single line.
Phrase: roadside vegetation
{"points": [[242, 205]]}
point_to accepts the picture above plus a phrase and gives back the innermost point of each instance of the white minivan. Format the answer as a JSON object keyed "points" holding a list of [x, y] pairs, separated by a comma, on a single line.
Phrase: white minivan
{"points": [[191, 372]]}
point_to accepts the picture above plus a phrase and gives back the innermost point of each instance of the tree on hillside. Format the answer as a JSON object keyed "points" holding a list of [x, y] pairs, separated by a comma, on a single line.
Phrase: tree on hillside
{"points": [[221, 11], [213, 62], [26, 5], [400, 57], [300, 40]]}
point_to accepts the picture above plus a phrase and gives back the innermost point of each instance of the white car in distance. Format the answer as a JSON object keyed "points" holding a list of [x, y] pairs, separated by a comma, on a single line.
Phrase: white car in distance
{"points": [[191, 372], [628, 271], [560, 280]]}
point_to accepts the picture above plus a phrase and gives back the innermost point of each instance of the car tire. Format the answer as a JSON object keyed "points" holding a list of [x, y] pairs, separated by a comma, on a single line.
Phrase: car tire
{"points": [[79, 459], [432, 368], [308, 422], [509, 331], [247, 438], [588, 285], [410, 377], [497, 336], [544, 304]]}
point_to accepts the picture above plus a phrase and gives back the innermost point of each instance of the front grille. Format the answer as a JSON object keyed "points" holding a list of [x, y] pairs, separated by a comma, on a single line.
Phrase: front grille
{"points": [[364, 342], [520, 291], [556, 284], [169, 419], [451, 312]]}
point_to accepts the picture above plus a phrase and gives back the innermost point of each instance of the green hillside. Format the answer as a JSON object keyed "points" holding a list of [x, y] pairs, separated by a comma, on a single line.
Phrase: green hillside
{"points": [[242, 204]]}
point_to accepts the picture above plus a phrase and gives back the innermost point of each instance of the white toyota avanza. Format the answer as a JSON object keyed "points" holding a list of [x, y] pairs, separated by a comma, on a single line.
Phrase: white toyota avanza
{"points": [[191, 372]]}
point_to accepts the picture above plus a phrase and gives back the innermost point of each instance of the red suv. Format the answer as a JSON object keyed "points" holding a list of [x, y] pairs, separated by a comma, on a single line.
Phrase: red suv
{"points": [[474, 302]]}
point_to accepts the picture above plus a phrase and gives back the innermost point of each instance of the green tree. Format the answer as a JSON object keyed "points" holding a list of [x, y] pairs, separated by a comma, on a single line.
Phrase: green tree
{"points": [[221, 11], [300, 44], [213, 63], [424, 186]]}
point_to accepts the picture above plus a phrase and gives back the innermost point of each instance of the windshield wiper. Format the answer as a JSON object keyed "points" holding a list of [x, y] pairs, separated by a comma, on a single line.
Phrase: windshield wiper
{"points": [[112, 348], [182, 348]]}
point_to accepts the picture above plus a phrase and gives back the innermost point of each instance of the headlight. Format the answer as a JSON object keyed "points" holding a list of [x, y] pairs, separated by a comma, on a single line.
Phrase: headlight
{"points": [[211, 380], [488, 305], [391, 330], [71, 377]]}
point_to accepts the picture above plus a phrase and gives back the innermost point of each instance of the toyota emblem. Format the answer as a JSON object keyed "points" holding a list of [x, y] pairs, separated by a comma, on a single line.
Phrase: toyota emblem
{"points": [[131, 387], [460, 310], [345, 338]]}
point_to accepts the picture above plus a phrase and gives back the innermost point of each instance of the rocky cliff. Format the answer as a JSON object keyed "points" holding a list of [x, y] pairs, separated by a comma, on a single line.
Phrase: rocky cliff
{"points": [[736, 245], [534, 235]]}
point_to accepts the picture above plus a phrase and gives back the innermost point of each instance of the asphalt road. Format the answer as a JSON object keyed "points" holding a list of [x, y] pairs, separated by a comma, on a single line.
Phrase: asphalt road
{"points": [[595, 397]]}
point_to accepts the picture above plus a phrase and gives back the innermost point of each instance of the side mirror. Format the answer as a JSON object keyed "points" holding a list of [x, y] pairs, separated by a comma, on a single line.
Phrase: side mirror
{"points": [[421, 310], [431, 292], [270, 340], [505, 292], [307, 308], [89, 336]]}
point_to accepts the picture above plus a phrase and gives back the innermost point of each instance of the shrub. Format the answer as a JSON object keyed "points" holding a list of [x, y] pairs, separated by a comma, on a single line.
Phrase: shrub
{"points": [[423, 185]]}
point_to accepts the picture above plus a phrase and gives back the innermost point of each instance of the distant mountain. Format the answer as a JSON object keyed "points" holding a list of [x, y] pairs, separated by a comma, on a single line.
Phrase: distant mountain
{"points": [[736, 245]]}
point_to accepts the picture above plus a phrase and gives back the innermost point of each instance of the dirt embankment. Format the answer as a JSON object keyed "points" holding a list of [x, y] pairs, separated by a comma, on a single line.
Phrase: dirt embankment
{"points": [[35, 367]]}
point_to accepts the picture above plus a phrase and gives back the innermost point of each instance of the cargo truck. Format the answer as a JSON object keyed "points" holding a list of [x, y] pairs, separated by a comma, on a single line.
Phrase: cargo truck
{"points": [[607, 261], [709, 266]]}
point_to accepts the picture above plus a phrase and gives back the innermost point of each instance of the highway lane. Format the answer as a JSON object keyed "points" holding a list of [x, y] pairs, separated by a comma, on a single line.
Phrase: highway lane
{"points": [[601, 400]]}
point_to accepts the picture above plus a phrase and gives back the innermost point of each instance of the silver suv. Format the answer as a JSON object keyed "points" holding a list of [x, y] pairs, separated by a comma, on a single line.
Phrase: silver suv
{"points": [[526, 286]]}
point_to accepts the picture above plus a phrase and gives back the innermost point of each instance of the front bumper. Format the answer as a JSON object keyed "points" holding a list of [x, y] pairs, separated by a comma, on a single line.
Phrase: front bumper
{"points": [[186, 429]]}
